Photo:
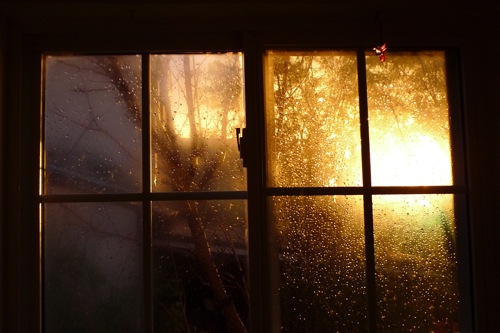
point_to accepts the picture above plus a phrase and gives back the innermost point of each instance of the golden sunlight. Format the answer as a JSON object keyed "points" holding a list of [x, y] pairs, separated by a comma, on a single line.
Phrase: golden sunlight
{"points": [[313, 139], [418, 161], [199, 92]]}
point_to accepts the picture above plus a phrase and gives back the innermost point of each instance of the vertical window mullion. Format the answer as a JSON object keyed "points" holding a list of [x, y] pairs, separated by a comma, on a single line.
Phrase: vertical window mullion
{"points": [[367, 196], [460, 179], [146, 202], [264, 281]]}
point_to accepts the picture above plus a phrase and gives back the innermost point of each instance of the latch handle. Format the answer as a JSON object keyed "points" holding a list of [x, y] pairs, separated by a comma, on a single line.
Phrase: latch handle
{"points": [[242, 144]]}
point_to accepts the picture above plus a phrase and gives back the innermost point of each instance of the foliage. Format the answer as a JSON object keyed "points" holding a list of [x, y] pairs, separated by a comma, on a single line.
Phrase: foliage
{"points": [[94, 103], [313, 141]]}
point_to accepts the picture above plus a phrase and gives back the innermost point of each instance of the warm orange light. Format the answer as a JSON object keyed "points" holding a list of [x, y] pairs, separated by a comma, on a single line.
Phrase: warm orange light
{"points": [[421, 160], [198, 90]]}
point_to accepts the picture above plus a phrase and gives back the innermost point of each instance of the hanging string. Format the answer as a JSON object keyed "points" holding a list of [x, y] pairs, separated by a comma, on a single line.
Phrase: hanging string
{"points": [[382, 48]]}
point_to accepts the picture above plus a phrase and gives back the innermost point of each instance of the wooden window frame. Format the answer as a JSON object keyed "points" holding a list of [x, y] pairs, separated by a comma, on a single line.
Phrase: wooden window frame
{"points": [[263, 292]]}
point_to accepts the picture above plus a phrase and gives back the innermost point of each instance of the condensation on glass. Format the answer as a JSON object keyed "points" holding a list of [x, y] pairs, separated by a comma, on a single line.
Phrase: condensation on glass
{"points": [[313, 140], [409, 120], [197, 103], [415, 235], [199, 265], [92, 145], [312, 119], [416, 262], [199, 246], [92, 267], [92, 124], [321, 257]]}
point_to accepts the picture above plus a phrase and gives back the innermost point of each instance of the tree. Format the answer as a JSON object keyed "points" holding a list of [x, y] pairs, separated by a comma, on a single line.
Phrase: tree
{"points": [[93, 145], [313, 126], [194, 161], [192, 150]]}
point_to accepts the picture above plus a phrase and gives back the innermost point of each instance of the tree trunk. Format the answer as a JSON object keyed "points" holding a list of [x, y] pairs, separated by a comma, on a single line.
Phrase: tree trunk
{"points": [[206, 260]]}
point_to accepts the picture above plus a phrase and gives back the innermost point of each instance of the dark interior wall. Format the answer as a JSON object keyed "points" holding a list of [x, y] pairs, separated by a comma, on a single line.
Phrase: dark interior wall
{"points": [[2, 148], [482, 88], [472, 27]]}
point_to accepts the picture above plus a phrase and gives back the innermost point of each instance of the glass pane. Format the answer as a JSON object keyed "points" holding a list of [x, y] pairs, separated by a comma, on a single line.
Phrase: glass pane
{"points": [[416, 263], [200, 266], [322, 263], [92, 124], [312, 119], [197, 102], [409, 119], [92, 268]]}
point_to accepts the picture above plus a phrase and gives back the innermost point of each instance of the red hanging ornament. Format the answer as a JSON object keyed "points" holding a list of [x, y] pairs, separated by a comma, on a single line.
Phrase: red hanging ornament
{"points": [[380, 50]]}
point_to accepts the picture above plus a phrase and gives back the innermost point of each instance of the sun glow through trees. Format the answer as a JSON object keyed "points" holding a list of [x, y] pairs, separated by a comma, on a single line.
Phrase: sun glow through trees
{"points": [[313, 140], [423, 161]]}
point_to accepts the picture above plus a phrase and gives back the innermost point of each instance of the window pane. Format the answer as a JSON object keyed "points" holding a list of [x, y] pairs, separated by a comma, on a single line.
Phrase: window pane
{"points": [[322, 263], [200, 266], [197, 103], [92, 124], [409, 119], [416, 263], [312, 119], [92, 272]]}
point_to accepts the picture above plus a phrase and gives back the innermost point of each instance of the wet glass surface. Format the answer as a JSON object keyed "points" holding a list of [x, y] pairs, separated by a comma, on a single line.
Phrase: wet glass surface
{"points": [[92, 267], [321, 259], [416, 262], [92, 124], [199, 265], [312, 119], [409, 120], [197, 103]]}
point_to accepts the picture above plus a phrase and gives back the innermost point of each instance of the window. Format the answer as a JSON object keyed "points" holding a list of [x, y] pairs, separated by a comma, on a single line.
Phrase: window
{"points": [[362, 198], [147, 220], [127, 165]]}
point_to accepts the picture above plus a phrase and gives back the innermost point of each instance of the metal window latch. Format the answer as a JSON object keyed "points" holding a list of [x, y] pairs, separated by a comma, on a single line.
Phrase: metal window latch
{"points": [[242, 144]]}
